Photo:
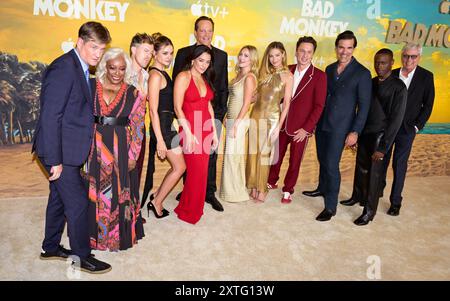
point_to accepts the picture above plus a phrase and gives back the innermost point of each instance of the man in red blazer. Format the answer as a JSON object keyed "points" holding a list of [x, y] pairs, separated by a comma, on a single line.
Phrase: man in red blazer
{"points": [[308, 100]]}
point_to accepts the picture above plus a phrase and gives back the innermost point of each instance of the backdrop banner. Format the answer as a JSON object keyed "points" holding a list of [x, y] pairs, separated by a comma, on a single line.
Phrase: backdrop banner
{"points": [[35, 32]]}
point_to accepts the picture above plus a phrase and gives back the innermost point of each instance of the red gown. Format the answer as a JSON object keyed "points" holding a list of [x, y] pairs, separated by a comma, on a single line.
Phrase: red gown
{"points": [[195, 109]]}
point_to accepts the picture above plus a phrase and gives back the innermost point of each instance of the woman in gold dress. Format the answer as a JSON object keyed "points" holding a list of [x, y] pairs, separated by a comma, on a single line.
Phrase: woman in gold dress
{"points": [[242, 88], [274, 86]]}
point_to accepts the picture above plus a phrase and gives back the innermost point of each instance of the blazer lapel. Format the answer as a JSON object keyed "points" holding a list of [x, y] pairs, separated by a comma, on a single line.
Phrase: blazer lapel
{"points": [[84, 85], [345, 74], [347, 71], [292, 68], [332, 81], [415, 80]]}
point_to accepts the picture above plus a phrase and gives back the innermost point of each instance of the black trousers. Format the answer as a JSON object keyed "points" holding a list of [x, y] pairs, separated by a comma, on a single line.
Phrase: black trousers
{"points": [[368, 173], [401, 147], [211, 186]]}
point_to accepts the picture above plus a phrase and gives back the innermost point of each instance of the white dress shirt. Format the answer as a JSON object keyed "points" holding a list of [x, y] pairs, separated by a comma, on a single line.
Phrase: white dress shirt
{"points": [[298, 78], [407, 79]]}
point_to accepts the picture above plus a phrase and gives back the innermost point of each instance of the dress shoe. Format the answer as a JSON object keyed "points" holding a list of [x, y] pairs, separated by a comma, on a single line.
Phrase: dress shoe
{"points": [[325, 215], [394, 210], [312, 193], [214, 203], [60, 254], [364, 219], [349, 202], [91, 265], [287, 198], [178, 197]]}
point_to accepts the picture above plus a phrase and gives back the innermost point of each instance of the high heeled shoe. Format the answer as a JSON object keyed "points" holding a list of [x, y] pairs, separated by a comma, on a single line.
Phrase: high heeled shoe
{"points": [[152, 197], [151, 207]]}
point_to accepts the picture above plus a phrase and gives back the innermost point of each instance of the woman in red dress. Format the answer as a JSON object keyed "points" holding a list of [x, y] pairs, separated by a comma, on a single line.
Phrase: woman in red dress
{"points": [[193, 92]]}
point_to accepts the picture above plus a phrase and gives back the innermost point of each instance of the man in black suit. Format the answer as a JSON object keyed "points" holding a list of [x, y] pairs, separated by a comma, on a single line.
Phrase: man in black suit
{"points": [[386, 113], [62, 142], [420, 85], [203, 31], [349, 86]]}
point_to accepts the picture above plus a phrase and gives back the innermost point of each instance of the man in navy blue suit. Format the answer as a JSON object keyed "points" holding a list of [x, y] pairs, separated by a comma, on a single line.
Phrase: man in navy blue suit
{"points": [[349, 86], [62, 142]]}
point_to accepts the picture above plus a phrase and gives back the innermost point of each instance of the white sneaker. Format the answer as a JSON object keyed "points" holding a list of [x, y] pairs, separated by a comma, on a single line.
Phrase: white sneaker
{"points": [[286, 198]]}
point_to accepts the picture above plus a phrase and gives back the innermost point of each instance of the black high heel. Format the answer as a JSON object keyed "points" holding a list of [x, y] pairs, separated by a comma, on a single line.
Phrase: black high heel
{"points": [[151, 207], [145, 200]]}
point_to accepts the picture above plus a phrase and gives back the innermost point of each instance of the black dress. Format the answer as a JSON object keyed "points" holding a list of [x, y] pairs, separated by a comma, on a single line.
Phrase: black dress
{"points": [[166, 114]]}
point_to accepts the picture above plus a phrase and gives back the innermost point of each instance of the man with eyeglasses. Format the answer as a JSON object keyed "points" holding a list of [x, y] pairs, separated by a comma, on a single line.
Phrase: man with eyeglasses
{"points": [[420, 85]]}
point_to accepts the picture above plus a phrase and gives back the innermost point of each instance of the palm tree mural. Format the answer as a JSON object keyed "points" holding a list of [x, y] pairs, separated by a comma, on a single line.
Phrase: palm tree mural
{"points": [[20, 85]]}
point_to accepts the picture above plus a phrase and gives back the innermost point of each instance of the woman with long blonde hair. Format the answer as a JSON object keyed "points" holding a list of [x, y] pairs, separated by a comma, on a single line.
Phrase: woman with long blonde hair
{"points": [[241, 90], [274, 86]]}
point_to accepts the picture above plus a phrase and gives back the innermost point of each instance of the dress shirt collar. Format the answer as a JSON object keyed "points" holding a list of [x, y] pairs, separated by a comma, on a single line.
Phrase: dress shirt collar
{"points": [[407, 79], [83, 64]]}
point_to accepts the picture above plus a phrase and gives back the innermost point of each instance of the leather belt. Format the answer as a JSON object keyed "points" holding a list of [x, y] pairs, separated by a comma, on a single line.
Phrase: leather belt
{"points": [[105, 120]]}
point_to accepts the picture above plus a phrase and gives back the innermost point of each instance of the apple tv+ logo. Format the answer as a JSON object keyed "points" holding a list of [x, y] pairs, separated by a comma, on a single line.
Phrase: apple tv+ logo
{"points": [[198, 9]]}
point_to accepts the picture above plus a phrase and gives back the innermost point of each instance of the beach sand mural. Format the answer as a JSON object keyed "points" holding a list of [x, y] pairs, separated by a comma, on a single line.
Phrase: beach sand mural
{"points": [[22, 176]]}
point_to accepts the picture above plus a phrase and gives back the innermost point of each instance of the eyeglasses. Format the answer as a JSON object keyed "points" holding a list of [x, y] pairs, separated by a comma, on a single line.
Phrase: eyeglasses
{"points": [[407, 56]]}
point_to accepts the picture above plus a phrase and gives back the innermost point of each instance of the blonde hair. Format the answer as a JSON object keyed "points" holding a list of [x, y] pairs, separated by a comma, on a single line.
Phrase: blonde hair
{"points": [[266, 67], [111, 54], [254, 59]]}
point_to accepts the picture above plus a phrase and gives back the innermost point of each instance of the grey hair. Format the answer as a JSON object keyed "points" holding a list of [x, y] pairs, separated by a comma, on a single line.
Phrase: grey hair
{"points": [[410, 45], [111, 54]]}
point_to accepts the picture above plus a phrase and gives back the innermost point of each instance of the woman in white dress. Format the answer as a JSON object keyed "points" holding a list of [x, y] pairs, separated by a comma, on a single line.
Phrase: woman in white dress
{"points": [[241, 91]]}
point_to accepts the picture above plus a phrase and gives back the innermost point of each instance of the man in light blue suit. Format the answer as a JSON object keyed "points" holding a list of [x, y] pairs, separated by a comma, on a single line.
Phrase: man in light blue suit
{"points": [[349, 87]]}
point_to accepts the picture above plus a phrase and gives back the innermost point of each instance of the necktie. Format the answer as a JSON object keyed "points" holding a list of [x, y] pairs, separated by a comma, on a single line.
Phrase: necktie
{"points": [[86, 74]]}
